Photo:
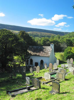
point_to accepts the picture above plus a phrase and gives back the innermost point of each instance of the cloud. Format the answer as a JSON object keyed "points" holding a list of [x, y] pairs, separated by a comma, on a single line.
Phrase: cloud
{"points": [[57, 17], [41, 15], [61, 24], [57, 29], [67, 25], [69, 17], [2, 14], [41, 22]]}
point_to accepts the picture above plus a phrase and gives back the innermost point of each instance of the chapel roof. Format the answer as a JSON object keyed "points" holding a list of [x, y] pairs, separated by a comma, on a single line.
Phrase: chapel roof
{"points": [[40, 50]]}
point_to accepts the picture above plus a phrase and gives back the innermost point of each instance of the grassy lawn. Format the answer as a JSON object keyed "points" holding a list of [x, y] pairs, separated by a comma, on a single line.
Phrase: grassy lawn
{"points": [[66, 88]]}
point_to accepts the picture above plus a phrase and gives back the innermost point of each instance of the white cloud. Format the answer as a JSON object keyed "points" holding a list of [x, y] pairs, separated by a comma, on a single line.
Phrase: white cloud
{"points": [[67, 25], [41, 22], [57, 28], [61, 24], [41, 15], [2, 14], [57, 17], [69, 17]]}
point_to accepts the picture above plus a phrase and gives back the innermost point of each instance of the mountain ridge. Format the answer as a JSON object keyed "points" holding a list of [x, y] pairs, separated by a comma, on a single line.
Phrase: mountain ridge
{"points": [[28, 29]]}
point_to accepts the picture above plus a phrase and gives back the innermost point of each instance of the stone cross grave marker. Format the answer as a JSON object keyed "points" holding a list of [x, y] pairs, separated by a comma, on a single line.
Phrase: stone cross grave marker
{"points": [[37, 69], [68, 61], [57, 62], [45, 65], [47, 76], [71, 60], [31, 70], [55, 88], [55, 66], [36, 83], [50, 67], [28, 80], [60, 76]]}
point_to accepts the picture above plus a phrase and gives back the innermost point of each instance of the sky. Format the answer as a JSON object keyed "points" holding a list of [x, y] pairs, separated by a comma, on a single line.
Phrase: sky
{"points": [[57, 15]]}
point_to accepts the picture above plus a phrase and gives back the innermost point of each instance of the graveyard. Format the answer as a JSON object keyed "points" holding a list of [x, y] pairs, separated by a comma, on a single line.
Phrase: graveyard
{"points": [[49, 83]]}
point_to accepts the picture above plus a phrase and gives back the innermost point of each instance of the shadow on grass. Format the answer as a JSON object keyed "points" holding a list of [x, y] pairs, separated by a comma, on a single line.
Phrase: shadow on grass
{"points": [[45, 88], [64, 92], [38, 99]]}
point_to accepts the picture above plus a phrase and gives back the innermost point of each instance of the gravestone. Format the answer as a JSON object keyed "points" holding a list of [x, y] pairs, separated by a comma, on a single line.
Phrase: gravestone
{"points": [[71, 60], [60, 76], [63, 71], [31, 70], [47, 76], [41, 66], [37, 69], [50, 67], [45, 65], [73, 72], [55, 66], [34, 69], [70, 65], [63, 65], [36, 83], [68, 61], [57, 62], [24, 69], [71, 69], [55, 88], [28, 80]]}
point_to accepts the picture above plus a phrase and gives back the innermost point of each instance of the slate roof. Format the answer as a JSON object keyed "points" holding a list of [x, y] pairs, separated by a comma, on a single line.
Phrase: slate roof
{"points": [[40, 50]]}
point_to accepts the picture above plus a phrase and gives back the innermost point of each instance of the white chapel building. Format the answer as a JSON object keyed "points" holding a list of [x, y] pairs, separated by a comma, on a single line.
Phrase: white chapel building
{"points": [[41, 55]]}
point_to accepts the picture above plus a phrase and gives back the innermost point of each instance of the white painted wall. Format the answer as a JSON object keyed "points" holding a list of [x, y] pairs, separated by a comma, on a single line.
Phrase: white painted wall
{"points": [[38, 59]]}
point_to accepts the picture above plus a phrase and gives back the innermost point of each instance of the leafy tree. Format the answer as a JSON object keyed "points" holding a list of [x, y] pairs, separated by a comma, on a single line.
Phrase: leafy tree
{"points": [[69, 52], [68, 42], [8, 42]]}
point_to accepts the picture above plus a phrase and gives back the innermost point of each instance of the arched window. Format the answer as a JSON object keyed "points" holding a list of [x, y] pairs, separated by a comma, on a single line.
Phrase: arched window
{"points": [[31, 62]]}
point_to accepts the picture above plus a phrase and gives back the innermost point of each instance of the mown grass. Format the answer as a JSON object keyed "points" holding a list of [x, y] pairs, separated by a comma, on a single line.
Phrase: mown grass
{"points": [[66, 88]]}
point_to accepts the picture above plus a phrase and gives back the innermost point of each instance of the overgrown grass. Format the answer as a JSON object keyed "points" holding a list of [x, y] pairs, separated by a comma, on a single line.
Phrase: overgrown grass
{"points": [[66, 88]]}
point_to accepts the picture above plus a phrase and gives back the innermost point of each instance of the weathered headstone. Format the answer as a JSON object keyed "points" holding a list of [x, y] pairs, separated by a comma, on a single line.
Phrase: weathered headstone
{"points": [[71, 60], [57, 62], [24, 69], [63, 65], [68, 61], [71, 69], [63, 71], [36, 83], [70, 65], [50, 67], [55, 66], [28, 80], [37, 69], [45, 65], [55, 88], [73, 72], [60, 76], [41, 66], [34, 68], [47, 76], [31, 70]]}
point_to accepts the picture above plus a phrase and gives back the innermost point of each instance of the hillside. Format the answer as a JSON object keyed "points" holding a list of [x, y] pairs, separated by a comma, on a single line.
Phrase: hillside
{"points": [[30, 30]]}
